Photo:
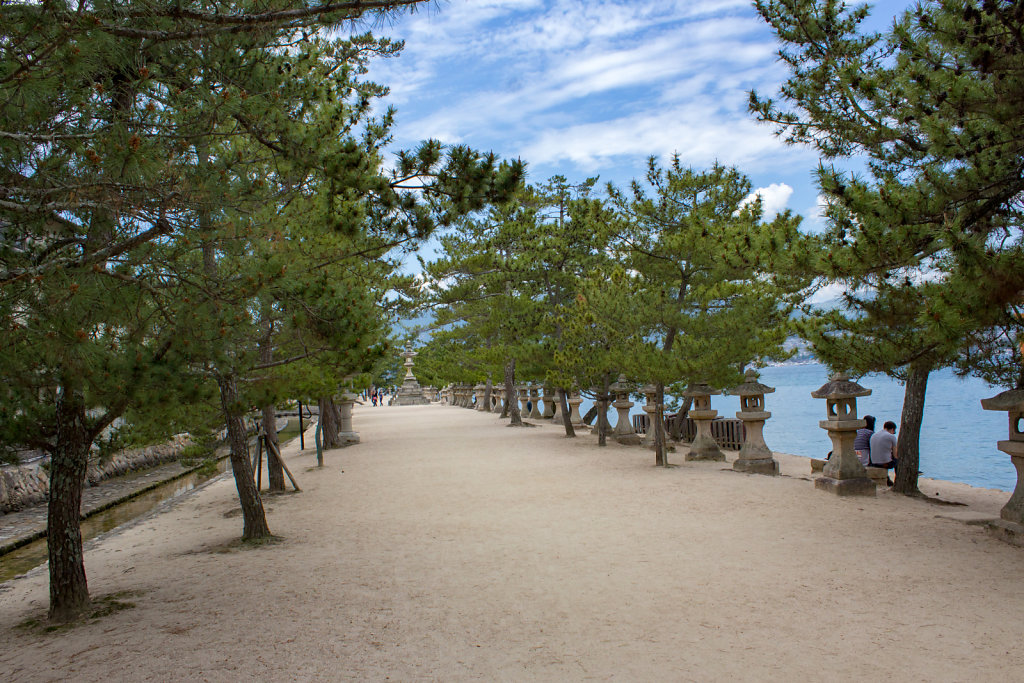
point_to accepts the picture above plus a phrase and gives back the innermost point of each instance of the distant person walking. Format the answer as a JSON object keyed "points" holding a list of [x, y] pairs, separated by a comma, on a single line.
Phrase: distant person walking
{"points": [[882, 451], [862, 444]]}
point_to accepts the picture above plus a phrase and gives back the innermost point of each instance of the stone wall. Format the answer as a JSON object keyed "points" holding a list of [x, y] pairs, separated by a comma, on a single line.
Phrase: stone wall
{"points": [[23, 486]]}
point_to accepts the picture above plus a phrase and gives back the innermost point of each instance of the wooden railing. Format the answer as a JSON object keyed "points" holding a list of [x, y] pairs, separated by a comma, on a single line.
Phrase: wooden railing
{"points": [[728, 432]]}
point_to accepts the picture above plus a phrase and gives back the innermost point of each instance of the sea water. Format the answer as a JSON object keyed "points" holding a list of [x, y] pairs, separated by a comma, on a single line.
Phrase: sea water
{"points": [[958, 437]]}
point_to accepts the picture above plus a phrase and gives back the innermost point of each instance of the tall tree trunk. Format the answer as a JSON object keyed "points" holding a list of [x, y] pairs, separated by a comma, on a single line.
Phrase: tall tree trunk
{"points": [[660, 452], [602, 413], [69, 591], [330, 424], [563, 405], [254, 518], [677, 426], [908, 443], [275, 473], [488, 390], [510, 391], [589, 416]]}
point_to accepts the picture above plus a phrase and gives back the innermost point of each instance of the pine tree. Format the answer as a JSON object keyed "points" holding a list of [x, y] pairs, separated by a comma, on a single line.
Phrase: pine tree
{"points": [[714, 281], [931, 238]]}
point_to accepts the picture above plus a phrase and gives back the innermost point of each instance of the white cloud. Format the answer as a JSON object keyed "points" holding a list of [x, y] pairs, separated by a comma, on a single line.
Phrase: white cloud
{"points": [[774, 198]]}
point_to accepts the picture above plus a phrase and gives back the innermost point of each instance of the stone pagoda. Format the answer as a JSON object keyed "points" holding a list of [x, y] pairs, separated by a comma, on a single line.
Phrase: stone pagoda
{"points": [[410, 393]]}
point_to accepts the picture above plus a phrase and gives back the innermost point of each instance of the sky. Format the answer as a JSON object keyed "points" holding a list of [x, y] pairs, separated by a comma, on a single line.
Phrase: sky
{"points": [[583, 88]]}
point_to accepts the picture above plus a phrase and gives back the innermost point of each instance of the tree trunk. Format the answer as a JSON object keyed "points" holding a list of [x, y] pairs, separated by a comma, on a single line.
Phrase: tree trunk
{"points": [[254, 518], [660, 452], [488, 390], [512, 399], [330, 423], [69, 591], [677, 426], [589, 416], [602, 421], [908, 443], [275, 473], [563, 402]]}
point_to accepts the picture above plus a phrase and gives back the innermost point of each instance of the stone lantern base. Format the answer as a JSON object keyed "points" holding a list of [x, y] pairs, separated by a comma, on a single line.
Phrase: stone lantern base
{"points": [[1008, 532], [859, 486], [628, 439], [757, 466]]}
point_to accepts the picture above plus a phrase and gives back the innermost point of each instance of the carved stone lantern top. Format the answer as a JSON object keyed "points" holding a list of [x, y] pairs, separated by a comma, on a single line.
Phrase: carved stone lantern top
{"points": [[649, 390], [751, 393], [701, 393], [620, 386], [751, 386], [840, 395], [840, 386], [697, 389], [1013, 403]]}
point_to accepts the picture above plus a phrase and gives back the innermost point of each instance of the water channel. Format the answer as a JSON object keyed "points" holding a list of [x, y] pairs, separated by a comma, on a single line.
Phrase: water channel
{"points": [[33, 554]]}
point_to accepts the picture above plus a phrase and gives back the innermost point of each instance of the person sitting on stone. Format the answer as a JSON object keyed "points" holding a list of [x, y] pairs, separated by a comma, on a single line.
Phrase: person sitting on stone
{"points": [[862, 444], [882, 451]]}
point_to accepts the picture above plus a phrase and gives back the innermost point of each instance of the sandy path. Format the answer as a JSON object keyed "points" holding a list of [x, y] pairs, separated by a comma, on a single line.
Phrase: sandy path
{"points": [[455, 548]]}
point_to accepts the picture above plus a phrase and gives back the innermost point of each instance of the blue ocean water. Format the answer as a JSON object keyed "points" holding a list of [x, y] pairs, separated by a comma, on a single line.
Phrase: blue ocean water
{"points": [[958, 437]]}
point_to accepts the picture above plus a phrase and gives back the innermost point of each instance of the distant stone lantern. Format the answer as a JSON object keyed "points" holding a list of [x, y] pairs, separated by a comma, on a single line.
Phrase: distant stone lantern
{"points": [[524, 400], [559, 417], [550, 403], [623, 432], [1010, 526], [650, 393], [535, 411], [755, 456], [479, 390], [843, 474], [574, 402], [346, 435], [704, 446]]}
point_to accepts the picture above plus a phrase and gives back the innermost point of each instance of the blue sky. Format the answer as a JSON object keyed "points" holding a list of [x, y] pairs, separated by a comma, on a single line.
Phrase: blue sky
{"points": [[582, 88]]}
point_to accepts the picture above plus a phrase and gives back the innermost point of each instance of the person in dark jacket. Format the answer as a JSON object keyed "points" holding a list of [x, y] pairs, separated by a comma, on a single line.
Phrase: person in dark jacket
{"points": [[862, 444]]}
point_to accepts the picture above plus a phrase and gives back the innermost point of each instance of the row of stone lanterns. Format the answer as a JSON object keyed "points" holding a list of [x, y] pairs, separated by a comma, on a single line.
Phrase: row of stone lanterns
{"points": [[532, 404], [843, 474]]}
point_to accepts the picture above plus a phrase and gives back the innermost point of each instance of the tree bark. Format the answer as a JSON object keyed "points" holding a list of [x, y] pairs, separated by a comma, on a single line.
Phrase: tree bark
{"points": [[488, 390], [602, 414], [275, 473], [512, 399], [660, 452], [330, 423], [254, 518], [563, 402], [908, 443], [69, 591], [677, 426]]}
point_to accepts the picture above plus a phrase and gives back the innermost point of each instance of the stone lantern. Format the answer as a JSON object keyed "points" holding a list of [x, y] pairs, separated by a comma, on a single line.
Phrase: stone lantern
{"points": [[535, 413], [574, 401], [550, 403], [410, 393], [1010, 526], [704, 446], [346, 435], [558, 417], [479, 390], [623, 432], [754, 456], [843, 474], [524, 400], [650, 392]]}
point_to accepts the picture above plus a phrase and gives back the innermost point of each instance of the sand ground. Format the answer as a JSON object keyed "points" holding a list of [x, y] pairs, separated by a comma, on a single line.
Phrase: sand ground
{"points": [[449, 547]]}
